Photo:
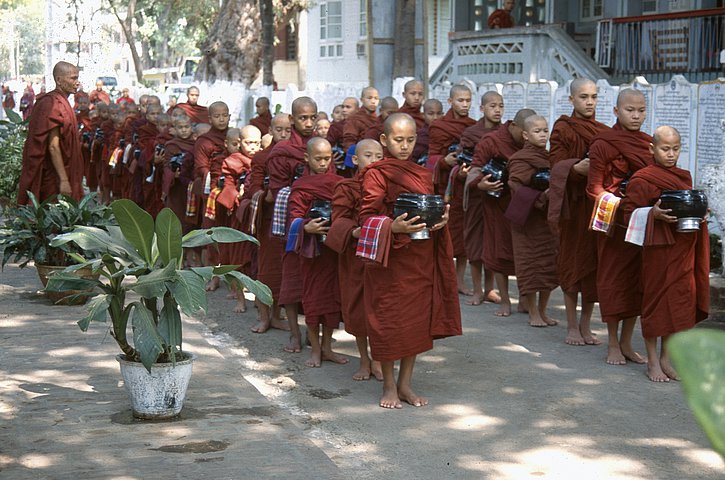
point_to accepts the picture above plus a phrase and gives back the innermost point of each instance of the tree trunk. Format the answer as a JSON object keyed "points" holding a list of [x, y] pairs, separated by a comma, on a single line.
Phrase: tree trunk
{"points": [[232, 51], [127, 27], [267, 41], [404, 41]]}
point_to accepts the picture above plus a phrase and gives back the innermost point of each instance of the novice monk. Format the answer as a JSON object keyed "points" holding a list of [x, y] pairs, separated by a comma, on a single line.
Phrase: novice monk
{"points": [[342, 237], [322, 126], [178, 176], [364, 118], [614, 155], [445, 132], [492, 109], [413, 95], [498, 255], [675, 265], [432, 111], [271, 248], [570, 209], [388, 106], [196, 112], [317, 262], [263, 120], [284, 161], [535, 248], [410, 293], [147, 134], [237, 165], [347, 109], [337, 113]]}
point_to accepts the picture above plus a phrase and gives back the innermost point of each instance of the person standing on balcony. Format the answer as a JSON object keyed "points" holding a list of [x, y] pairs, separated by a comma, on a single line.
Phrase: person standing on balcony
{"points": [[502, 18]]}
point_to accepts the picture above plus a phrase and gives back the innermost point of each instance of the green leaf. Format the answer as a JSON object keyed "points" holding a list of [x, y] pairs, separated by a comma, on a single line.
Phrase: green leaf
{"points": [[153, 285], [260, 290], [168, 236], [222, 269], [137, 226], [200, 238], [146, 339], [189, 291], [13, 116], [698, 357], [97, 310], [206, 272], [64, 281], [170, 326]]}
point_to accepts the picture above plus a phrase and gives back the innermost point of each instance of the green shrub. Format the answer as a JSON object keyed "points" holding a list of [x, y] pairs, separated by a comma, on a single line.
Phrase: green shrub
{"points": [[13, 132]]}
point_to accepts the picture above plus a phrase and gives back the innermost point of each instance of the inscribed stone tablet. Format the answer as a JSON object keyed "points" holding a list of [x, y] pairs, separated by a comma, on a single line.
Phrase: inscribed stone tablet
{"points": [[562, 105], [606, 101], [514, 94], [674, 106], [539, 97], [711, 124]]}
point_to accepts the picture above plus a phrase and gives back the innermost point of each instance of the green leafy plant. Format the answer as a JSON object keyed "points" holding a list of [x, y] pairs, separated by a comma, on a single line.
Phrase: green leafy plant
{"points": [[144, 257], [13, 133], [698, 355], [27, 230]]}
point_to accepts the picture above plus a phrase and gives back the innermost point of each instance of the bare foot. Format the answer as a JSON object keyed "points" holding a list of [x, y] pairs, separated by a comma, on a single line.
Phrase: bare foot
{"points": [[615, 357], [260, 327], [390, 398], [535, 320], [504, 310], [407, 395], [313, 361], [476, 299], [377, 371], [241, 306], [492, 297], [549, 321], [294, 345], [279, 325], [466, 292], [521, 309], [633, 356], [232, 295], [573, 337], [590, 338], [333, 357], [362, 374], [213, 284], [669, 370], [655, 373]]}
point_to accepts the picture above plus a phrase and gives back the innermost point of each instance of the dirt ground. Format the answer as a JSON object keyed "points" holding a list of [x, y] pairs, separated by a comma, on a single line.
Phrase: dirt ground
{"points": [[507, 401]]}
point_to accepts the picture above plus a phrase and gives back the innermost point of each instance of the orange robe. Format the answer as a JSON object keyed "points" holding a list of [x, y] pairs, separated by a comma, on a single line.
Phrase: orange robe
{"points": [[37, 173], [570, 208], [535, 248], [414, 299], [613, 155], [197, 113], [675, 266], [99, 96]]}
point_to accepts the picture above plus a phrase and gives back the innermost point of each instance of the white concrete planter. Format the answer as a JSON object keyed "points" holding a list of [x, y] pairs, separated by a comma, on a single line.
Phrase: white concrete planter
{"points": [[160, 394]]}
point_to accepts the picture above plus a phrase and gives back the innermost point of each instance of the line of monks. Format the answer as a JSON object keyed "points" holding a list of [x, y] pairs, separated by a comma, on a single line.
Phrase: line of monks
{"points": [[530, 218]]}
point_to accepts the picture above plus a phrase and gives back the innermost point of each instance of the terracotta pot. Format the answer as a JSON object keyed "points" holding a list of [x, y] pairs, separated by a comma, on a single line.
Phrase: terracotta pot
{"points": [[44, 271]]}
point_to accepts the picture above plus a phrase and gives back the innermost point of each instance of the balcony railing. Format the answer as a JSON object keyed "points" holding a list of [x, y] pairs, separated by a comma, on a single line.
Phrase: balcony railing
{"points": [[658, 46]]}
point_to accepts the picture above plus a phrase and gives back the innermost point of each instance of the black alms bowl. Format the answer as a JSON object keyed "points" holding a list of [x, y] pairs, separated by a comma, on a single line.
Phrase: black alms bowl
{"points": [[320, 209], [540, 179], [689, 206], [496, 167], [430, 208]]}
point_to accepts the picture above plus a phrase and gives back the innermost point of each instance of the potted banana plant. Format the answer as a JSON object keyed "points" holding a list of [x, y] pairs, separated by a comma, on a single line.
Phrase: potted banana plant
{"points": [[142, 285]]}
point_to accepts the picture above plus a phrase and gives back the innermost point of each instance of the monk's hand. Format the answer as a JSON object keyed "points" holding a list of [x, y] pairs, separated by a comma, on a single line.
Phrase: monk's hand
{"points": [[582, 167], [486, 185], [443, 222], [451, 159], [158, 158], [661, 213], [316, 226], [402, 225], [356, 232], [269, 198], [463, 171], [65, 187]]}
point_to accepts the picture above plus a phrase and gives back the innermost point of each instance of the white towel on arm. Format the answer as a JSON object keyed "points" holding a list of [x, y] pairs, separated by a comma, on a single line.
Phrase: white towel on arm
{"points": [[637, 226]]}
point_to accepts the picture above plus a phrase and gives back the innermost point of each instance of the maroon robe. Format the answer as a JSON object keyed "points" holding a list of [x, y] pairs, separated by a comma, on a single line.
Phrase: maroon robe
{"points": [[675, 266], [241, 253], [37, 173], [262, 122], [152, 191], [99, 96], [334, 134], [415, 113], [146, 137], [414, 299], [196, 113], [175, 188], [570, 208], [355, 127], [320, 285], [535, 248], [443, 133], [614, 154], [374, 131], [500, 18]]}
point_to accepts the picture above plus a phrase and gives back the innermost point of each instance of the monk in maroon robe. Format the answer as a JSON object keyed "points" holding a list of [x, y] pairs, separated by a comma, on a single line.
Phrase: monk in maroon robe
{"points": [[361, 120], [271, 248], [179, 175], [501, 18], [498, 255], [535, 248], [263, 120], [388, 106], [141, 169], [285, 160], [98, 117], [99, 95], [318, 263], [449, 177], [492, 109], [27, 101], [675, 265], [334, 135], [197, 113], [570, 209], [410, 294], [342, 238], [614, 155], [153, 189], [432, 111], [413, 95], [52, 158]]}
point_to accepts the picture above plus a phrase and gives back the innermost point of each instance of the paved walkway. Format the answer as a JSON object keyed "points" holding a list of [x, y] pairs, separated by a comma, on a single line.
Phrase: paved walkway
{"points": [[64, 413]]}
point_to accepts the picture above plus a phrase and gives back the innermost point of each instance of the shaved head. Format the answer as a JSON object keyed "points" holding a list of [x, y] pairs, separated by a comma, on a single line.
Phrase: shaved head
{"points": [[412, 83], [432, 102], [351, 101], [281, 119], [489, 96], [234, 134], [152, 107], [263, 101], [396, 120], [63, 68], [458, 89], [522, 115], [192, 89], [578, 83], [368, 90], [317, 143], [250, 131], [153, 99], [389, 103], [366, 143], [302, 102], [663, 132], [531, 120], [628, 94], [218, 106]]}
